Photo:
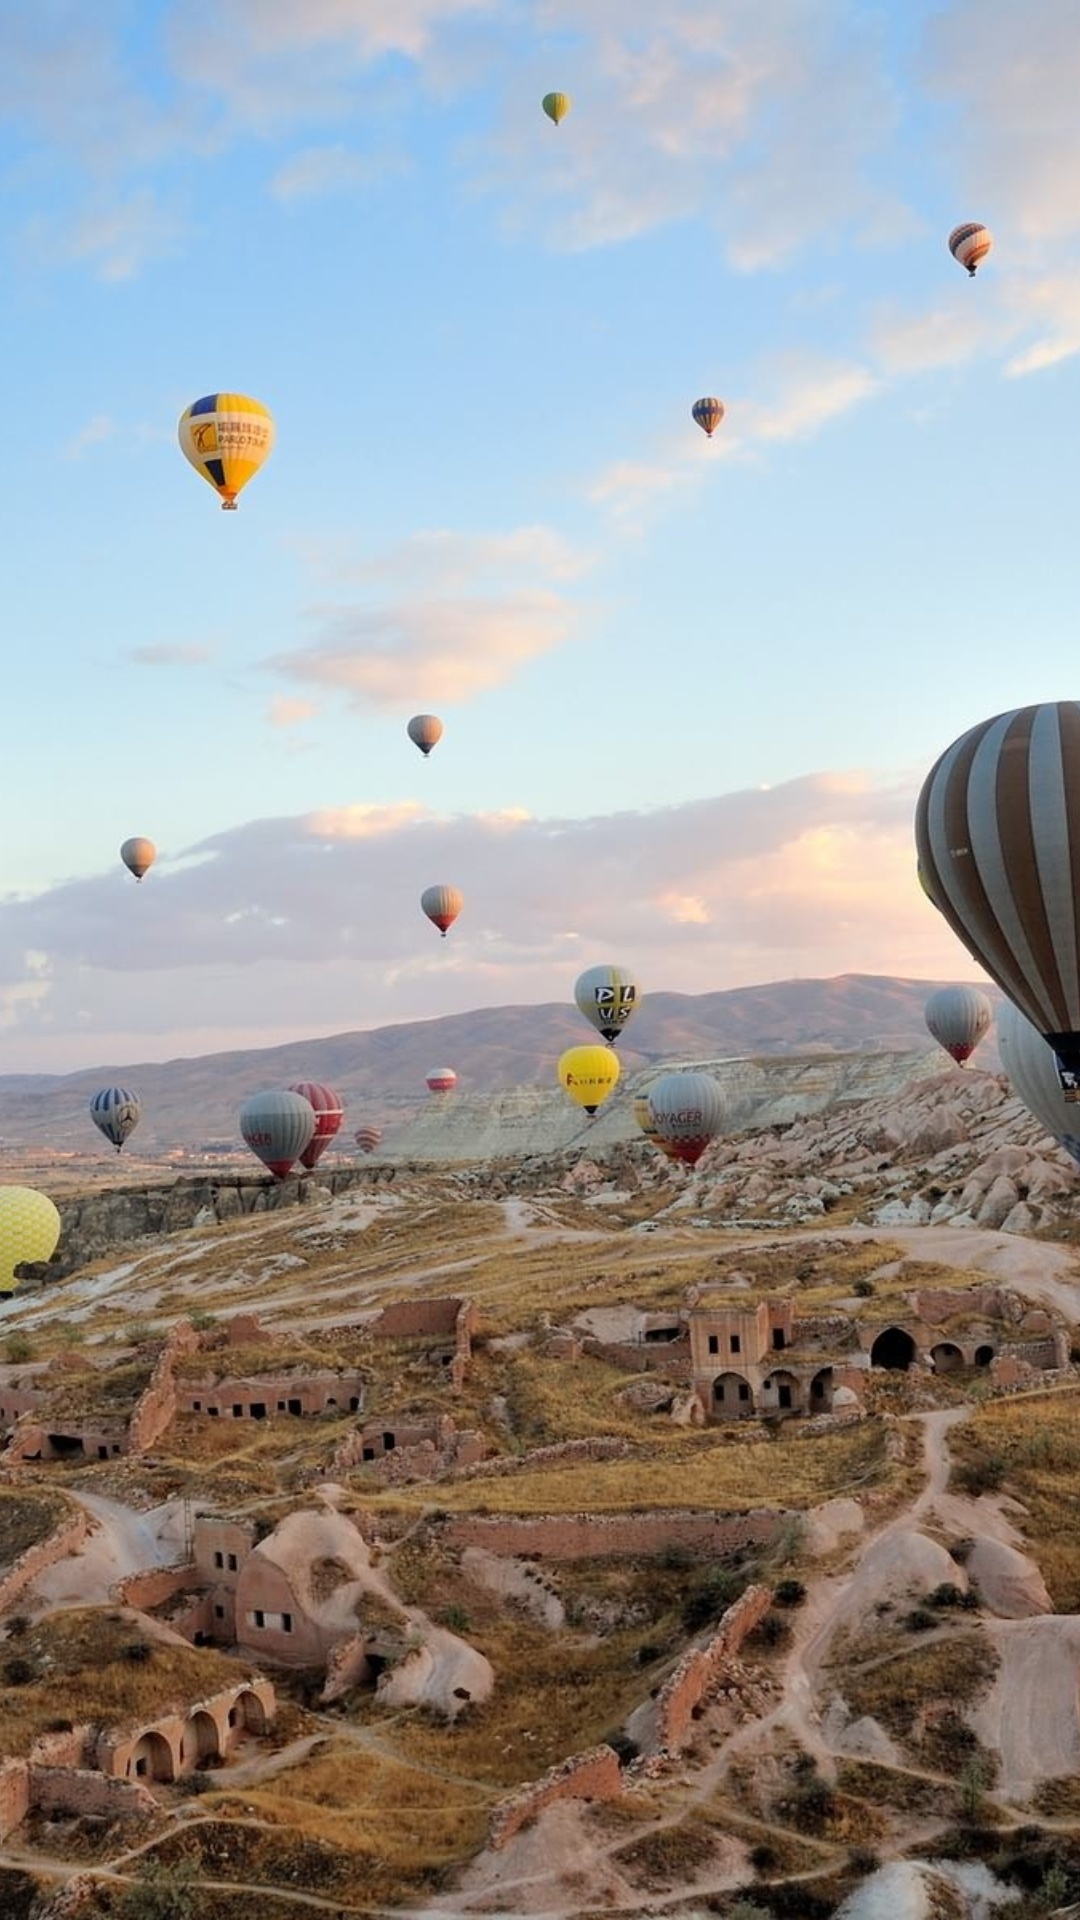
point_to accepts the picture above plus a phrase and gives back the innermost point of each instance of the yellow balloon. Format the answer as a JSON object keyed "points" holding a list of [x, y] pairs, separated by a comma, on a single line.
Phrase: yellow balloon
{"points": [[226, 437], [29, 1230], [556, 106], [589, 1074]]}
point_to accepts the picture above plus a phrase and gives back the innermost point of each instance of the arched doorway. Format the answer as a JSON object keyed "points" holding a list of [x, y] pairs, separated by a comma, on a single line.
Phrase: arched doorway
{"points": [[821, 1391], [152, 1759], [248, 1713], [947, 1357], [894, 1349], [781, 1393], [731, 1397], [201, 1741], [983, 1356]]}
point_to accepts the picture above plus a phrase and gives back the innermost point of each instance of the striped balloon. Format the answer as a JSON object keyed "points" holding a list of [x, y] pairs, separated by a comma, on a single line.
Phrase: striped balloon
{"points": [[441, 1080], [442, 906], [708, 413], [115, 1112], [1032, 1074], [329, 1113], [970, 244], [226, 437], [368, 1138], [277, 1126], [556, 106], [138, 855], [997, 829], [958, 1017]]}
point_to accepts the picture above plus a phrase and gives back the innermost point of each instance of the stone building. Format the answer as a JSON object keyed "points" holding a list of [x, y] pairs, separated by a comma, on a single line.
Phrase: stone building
{"points": [[756, 1358]]}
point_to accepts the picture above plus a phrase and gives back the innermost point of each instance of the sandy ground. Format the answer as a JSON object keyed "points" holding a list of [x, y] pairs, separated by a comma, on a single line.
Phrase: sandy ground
{"points": [[120, 1543]]}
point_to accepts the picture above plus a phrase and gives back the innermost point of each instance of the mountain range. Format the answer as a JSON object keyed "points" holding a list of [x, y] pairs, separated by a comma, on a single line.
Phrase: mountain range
{"points": [[191, 1103]]}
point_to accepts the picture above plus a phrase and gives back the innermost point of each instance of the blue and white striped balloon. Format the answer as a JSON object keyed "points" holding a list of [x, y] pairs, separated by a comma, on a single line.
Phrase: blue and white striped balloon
{"points": [[115, 1112]]}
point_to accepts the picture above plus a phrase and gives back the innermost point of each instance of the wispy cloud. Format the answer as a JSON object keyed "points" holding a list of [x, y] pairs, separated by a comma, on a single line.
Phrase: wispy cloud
{"points": [[317, 172], [180, 654], [812, 876], [283, 712], [95, 433]]}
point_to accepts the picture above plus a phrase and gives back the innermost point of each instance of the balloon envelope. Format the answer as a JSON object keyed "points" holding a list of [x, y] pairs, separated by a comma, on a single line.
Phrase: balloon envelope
{"points": [[226, 437], [115, 1112], [368, 1138], [589, 1074], [997, 829], [958, 1017], [425, 730], [607, 997], [29, 1230], [970, 243], [556, 106], [708, 413], [687, 1111], [138, 855], [1031, 1070], [277, 1126], [643, 1116], [329, 1113], [442, 906], [441, 1080]]}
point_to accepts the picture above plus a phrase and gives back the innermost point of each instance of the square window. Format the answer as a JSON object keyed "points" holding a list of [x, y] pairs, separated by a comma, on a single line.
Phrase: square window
{"points": [[714, 1343], [778, 1339], [259, 1617], [219, 1613], [736, 1343]]}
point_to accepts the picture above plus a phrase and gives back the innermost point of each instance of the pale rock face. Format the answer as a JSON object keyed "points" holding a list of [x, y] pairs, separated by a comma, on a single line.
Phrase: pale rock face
{"points": [[903, 1213], [998, 1203], [442, 1672], [1010, 1584]]}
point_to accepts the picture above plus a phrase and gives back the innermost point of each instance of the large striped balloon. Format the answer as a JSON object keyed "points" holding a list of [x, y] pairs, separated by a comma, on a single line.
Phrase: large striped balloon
{"points": [[277, 1126], [329, 1113], [970, 243], [687, 1112], [115, 1112], [998, 834], [442, 906], [1032, 1074]]}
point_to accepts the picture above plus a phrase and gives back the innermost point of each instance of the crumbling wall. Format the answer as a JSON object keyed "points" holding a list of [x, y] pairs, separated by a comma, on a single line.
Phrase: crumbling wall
{"points": [[594, 1775], [700, 1670], [67, 1538], [14, 1795], [156, 1585], [155, 1410], [75, 1791], [596, 1536]]}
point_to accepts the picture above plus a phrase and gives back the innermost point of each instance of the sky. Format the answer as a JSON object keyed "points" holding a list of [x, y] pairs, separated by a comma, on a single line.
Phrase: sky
{"points": [[690, 687]]}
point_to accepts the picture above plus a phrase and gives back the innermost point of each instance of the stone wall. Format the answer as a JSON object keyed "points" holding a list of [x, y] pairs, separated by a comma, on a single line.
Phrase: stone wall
{"points": [[592, 1536], [307, 1393], [74, 1791], [594, 1775], [156, 1586], [66, 1539], [155, 1410], [419, 1319], [700, 1670], [671, 1358], [14, 1795]]}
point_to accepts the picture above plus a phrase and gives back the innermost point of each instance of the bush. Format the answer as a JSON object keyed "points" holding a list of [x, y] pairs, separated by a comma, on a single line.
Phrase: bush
{"points": [[919, 1620], [137, 1651], [201, 1320], [773, 1631], [456, 1618], [981, 1475], [162, 1893], [863, 1287], [17, 1348], [763, 1858], [18, 1672], [789, 1593], [863, 1861], [621, 1744], [138, 1333], [946, 1595]]}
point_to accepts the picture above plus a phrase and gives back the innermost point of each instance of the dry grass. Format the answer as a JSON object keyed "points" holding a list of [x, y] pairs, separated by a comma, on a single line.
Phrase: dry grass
{"points": [[77, 1672], [1036, 1440], [26, 1518], [896, 1690], [706, 1471]]}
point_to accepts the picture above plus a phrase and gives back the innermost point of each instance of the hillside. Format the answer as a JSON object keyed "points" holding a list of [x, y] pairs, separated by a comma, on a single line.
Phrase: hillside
{"points": [[190, 1102]]}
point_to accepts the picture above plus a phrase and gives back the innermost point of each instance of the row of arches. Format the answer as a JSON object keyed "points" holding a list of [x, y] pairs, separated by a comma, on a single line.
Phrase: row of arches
{"points": [[895, 1350], [781, 1392], [203, 1738]]}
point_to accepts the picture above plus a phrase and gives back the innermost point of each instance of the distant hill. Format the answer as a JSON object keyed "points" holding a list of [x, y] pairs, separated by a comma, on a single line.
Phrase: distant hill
{"points": [[189, 1102]]}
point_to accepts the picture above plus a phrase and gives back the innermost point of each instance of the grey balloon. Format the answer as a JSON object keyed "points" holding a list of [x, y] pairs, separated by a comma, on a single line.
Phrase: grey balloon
{"points": [[277, 1126], [1031, 1070]]}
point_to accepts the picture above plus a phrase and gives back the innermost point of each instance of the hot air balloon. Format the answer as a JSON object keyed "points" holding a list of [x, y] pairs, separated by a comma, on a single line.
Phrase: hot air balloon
{"points": [[970, 244], [442, 906], [368, 1138], [138, 855], [607, 997], [708, 413], [425, 730], [329, 1113], [958, 1017], [687, 1111], [29, 1231], [277, 1126], [441, 1080], [227, 437], [997, 829], [1031, 1070], [589, 1074], [115, 1113], [556, 106]]}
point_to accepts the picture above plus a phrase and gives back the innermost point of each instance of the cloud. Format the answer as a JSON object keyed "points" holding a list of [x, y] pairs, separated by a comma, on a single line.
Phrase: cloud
{"points": [[283, 712], [451, 649], [117, 237], [182, 654], [319, 914], [320, 171], [808, 391], [465, 613], [96, 431]]}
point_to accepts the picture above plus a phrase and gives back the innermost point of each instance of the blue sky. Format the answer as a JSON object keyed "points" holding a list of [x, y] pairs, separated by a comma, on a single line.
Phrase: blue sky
{"points": [[690, 688]]}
